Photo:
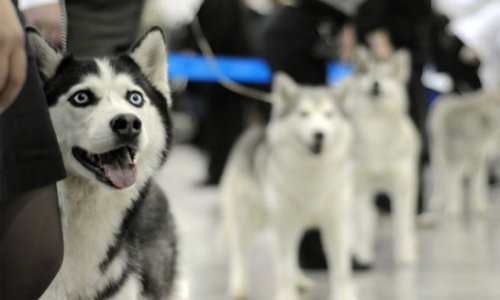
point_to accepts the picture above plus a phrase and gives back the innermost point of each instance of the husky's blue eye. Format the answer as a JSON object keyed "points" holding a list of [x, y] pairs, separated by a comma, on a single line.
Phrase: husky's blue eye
{"points": [[81, 98], [135, 98]]}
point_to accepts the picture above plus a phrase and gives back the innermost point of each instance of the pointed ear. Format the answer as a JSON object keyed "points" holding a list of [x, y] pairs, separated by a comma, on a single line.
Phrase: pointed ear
{"points": [[361, 60], [284, 86], [150, 54], [47, 58], [340, 91], [400, 65]]}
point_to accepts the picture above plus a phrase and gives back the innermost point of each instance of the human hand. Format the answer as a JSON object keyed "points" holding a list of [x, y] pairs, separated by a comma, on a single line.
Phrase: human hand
{"points": [[47, 19], [12, 55], [347, 43]]}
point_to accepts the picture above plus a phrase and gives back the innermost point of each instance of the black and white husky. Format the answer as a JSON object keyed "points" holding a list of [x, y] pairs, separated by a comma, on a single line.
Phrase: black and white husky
{"points": [[293, 174], [111, 117]]}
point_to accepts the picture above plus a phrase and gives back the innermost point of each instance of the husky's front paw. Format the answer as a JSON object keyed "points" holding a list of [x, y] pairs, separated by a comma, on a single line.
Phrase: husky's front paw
{"points": [[407, 256], [304, 283], [482, 209], [238, 291], [345, 293], [287, 296], [454, 210]]}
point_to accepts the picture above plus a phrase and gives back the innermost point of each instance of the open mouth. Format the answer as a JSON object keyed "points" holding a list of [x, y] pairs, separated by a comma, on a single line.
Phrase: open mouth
{"points": [[115, 168], [317, 147]]}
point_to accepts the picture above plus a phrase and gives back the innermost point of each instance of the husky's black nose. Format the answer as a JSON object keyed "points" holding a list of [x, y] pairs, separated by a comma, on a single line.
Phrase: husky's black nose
{"points": [[375, 89], [126, 125], [318, 137], [317, 145]]}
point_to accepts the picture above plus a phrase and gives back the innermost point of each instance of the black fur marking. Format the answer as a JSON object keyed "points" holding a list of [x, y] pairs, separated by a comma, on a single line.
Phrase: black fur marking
{"points": [[125, 64], [69, 73], [125, 228], [114, 287]]}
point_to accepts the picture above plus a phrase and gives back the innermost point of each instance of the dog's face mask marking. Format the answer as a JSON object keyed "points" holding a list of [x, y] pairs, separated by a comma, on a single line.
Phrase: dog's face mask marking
{"points": [[311, 113], [110, 115], [379, 86]]}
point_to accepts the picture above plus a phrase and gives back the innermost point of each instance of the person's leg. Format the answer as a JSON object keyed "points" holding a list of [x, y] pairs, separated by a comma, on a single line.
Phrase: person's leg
{"points": [[225, 119], [31, 246], [418, 114]]}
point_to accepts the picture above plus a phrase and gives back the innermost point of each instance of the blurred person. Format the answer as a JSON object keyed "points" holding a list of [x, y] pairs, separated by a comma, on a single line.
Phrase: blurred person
{"points": [[31, 246], [224, 24], [300, 38], [447, 58], [94, 27], [480, 32]]}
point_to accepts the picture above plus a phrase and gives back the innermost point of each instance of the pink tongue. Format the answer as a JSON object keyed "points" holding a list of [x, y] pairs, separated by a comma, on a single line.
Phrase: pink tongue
{"points": [[121, 174]]}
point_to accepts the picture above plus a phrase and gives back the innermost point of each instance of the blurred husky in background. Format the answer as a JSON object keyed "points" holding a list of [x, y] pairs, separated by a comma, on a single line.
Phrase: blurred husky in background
{"points": [[386, 151], [464, 133], [293, 174]]}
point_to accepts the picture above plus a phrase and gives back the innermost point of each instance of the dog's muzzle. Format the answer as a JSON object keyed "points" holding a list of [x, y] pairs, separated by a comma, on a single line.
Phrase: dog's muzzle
{"points": [[115, 168], [317, 145]]}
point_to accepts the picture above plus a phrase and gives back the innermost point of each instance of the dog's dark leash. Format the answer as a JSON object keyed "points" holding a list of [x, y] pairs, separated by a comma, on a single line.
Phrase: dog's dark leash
{"points": [[64, 26], [225, 81]]}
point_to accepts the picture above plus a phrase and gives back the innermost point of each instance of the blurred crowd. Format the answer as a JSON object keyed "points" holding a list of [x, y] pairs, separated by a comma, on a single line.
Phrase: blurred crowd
{"points": [[454, 46]]}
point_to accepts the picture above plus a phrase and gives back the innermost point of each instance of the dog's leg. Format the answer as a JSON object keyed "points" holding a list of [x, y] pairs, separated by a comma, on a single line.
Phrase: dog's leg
{"points": [[287, 236], [304, 283], [404, 200], [335, 235], [478, 194], [453, 196], [439, 175], [365, 226], [240, 237]]}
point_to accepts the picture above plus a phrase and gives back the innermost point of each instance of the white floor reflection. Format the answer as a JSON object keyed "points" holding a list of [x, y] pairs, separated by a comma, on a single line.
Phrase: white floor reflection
{"points": [[459, 259]]}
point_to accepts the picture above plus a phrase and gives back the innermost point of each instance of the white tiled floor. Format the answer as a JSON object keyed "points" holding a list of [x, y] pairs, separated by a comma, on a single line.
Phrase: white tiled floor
{"points": [[459, 259]]}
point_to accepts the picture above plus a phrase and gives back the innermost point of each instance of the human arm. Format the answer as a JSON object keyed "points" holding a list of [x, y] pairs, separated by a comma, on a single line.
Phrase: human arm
{"points": [[12, 55]]}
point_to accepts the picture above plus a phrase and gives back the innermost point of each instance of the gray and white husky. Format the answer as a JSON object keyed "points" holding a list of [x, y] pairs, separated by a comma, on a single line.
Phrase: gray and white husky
{"points": [[386, 151], [111, 117], [293, 174], [464, 133]]}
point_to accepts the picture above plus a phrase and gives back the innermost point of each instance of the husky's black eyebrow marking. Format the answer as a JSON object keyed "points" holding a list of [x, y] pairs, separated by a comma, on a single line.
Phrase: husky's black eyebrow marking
{"points": [[69, 73]]}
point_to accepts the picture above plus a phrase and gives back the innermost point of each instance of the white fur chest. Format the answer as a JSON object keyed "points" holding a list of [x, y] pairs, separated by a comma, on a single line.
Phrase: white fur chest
{"points": [[381, 142], [91, 219], [306, 184]]}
